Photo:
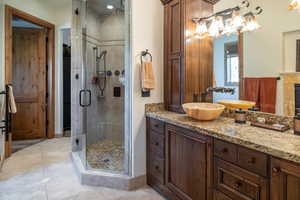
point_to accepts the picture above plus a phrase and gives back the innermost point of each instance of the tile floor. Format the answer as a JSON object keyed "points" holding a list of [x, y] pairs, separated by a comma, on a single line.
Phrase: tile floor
{"points": [[44, 172], [106, 155]]}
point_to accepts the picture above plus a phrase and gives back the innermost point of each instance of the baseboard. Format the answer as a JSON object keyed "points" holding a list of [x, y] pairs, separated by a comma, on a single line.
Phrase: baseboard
{"points": [[58, 135]]}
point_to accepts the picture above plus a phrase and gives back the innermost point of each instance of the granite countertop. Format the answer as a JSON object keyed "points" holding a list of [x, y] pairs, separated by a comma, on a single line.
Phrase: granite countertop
{"points": [[284, 145]]}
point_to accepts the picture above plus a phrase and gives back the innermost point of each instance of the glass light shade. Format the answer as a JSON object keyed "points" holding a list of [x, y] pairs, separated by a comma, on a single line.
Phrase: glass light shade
{"points": [[251, 24], [201, 28], [220, 23], [214, 30], [295, 4], [201, 31], [229, 29], [237, 20]]}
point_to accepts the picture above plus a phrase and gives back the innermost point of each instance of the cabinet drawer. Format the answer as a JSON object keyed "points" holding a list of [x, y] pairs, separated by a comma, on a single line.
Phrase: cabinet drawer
{"points": [[157, 168], [253, 161], [157, 144], [225, 150], [220, 196], [239, 184], [157, 126]]}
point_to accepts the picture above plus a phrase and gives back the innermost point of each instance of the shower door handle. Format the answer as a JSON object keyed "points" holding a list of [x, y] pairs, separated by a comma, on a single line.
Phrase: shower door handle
{"points": [[89, 98]]}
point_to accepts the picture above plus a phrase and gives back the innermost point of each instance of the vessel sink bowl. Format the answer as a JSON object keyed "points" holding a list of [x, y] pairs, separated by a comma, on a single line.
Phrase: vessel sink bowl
{"points": [[203, 111], [237, 104]]}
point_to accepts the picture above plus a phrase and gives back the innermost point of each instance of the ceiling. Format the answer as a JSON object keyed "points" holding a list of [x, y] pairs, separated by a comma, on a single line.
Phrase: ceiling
{"points": [[100, 5]]}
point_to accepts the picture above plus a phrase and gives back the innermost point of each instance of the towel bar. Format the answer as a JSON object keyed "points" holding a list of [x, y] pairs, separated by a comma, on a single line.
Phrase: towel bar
{"points": [[144, 54]]}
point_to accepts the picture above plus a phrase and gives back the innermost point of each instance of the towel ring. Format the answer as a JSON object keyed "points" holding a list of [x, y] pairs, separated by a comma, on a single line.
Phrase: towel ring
{"points": [[144, 54]]}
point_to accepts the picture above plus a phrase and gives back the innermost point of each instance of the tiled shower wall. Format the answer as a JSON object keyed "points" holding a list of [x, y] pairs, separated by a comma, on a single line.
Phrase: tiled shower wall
{"points": [[106, 115]]}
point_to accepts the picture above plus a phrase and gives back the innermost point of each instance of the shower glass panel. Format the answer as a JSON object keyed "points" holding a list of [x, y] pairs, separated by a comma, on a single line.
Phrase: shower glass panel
{"points": [[105, 85]]}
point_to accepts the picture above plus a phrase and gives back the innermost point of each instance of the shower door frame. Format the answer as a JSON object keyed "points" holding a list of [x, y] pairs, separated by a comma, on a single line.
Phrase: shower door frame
{"points": [[128, 91]]}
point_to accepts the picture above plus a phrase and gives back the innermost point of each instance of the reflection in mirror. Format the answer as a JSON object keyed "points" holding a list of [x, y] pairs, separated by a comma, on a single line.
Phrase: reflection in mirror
{"points": [[269, 59], [226, 70]]}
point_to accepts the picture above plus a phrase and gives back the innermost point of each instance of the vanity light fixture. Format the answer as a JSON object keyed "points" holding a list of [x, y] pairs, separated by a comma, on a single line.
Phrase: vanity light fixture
{"points": [[295, 5], [228, 21]]}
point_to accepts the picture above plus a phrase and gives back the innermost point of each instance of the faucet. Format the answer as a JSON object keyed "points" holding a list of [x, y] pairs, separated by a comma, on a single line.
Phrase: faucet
{"points": [[221, 90], [203, 96]]}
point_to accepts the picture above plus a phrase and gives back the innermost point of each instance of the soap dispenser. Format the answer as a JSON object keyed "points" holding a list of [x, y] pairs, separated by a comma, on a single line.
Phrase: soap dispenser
{"points": [[240, 116]]}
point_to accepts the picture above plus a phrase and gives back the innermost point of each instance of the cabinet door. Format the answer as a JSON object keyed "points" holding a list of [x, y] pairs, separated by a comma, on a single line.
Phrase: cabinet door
{"points": [[285, 180], [173, 61], [188, 164]]}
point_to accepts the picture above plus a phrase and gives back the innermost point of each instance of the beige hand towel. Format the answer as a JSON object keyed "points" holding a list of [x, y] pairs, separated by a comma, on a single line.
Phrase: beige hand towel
{"points": [[12, 102], [148, 80]]}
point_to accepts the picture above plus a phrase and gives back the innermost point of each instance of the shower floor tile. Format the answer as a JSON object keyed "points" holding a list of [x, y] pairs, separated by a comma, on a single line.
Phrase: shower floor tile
{"points": [[106, 155]]}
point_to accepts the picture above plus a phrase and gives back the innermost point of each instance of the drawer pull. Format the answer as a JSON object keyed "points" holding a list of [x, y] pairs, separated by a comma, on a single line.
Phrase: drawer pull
{"points": [[156, 126], [157, 167], [225, 150], [157, 144], [237, 184], [275, 170], [251, 161]]}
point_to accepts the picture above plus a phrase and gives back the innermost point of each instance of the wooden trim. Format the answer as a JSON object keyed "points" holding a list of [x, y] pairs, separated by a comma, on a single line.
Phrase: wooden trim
{"points": [[298, 56], [9, 13], [241, 64]]}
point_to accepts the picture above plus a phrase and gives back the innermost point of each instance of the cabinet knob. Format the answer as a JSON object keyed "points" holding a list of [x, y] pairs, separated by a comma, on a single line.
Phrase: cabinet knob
{"points": [[225, 150], [157, 143], [237, 184], [157, 167], [156, 126], [251, 161], [275, 170]]}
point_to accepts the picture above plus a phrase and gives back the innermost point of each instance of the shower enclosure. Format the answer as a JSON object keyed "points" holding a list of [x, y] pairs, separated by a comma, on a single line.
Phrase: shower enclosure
{"points": [[101, 32]]}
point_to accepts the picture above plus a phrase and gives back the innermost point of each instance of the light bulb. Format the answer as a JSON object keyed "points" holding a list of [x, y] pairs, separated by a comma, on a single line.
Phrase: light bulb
{"points": [[295, 4], [237, 20]]}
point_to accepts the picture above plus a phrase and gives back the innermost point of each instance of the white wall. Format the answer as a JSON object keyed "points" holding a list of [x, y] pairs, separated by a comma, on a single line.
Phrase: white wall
{"points": [[57, 12], [219, 67], [147, 33], [263, 49]]}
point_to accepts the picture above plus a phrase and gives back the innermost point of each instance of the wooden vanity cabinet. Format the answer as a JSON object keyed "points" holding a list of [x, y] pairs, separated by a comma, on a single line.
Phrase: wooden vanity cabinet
{"points": [[185, 165], [188, 164], [187, 61], [285, 180], [179, 162]]}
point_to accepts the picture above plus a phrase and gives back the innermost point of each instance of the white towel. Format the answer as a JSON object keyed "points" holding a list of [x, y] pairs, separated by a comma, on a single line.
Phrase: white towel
{"points": [[12, 102]]}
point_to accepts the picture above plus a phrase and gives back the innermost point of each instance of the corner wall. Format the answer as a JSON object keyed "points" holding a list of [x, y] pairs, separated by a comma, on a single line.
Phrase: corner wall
{"points": [[147, 33]]}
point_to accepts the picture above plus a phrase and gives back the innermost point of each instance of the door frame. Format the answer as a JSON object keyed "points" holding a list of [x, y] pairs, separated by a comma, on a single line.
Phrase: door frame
{"points": [[10, 12]]}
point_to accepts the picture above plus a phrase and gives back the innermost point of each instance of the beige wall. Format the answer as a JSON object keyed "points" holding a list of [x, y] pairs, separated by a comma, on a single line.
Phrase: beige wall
{"points": [[147, 33], [264, 49]]}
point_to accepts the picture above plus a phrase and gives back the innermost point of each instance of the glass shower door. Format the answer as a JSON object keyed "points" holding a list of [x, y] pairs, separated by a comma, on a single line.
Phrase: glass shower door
{"points": [[103, 96]]}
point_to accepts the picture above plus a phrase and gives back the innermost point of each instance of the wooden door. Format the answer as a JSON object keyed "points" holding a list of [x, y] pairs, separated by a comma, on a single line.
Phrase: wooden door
{"points": [[285, 180], [188, 164], [173, 56], [29, 83]]}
